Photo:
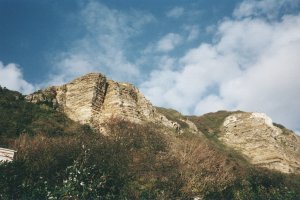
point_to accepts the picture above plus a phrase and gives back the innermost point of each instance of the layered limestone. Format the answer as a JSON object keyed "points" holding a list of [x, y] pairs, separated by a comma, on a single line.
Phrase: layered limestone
{"points": [[78, 99], [93, 99], [265, 145], [6, 155]]}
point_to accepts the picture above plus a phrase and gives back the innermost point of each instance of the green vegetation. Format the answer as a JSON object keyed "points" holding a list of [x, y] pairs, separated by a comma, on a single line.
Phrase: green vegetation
{"points": [[210, 123], [173, 115], [58, 158], [285, 131], [249, 182], [20, 117], [132, 164]]}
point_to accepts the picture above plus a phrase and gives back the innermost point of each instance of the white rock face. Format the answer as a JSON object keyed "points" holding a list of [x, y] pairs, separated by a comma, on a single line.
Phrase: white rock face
{"points": [[255, 136], [6, 154], [93, 99], [192, 127], [263, 118]]}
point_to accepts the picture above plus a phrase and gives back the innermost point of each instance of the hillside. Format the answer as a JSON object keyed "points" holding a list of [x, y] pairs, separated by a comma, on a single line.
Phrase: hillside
{"points": [[261, 142], [94, 99], [95, 138]]}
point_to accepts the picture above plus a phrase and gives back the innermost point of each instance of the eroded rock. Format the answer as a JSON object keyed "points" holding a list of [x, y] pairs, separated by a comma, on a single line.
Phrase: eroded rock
{"points": [[93, 99], [255, 136]]}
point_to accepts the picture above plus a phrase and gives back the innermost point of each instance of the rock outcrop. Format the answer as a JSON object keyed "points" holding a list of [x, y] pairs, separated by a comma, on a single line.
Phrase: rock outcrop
{"points": [[6, 155], [266, 145], [93, 99]]}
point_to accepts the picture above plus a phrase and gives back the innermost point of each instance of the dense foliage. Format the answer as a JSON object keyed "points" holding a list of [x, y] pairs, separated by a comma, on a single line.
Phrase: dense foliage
{"points": [[134, 164], [20, 117], [60, 159]]}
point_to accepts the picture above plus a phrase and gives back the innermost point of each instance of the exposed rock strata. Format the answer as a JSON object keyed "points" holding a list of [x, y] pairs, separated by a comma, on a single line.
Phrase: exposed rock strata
{"points": [[93, 99], [255, 136], [6, 155]]}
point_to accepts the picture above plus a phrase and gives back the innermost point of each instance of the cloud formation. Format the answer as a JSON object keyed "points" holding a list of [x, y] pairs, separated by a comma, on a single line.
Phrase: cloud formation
{"points": [[193, 32], [11, 77], [103, 46], [168, 42], [252, 64], [266, 8], [175, 12]]}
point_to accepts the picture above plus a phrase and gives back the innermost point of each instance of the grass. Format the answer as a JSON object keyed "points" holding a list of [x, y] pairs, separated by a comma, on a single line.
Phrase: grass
{"points": [[285, 131], [60, 159], [173, 115], [210, 123], [20, 117]]}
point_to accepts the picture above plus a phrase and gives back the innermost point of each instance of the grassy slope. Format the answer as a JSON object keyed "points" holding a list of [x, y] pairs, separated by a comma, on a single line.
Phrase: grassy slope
{"points": [[134, 162], [223, 170], [61, 158], [173, 115], [19, 117]]}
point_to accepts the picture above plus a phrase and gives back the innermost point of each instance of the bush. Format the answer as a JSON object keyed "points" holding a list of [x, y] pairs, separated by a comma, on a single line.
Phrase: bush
{"points": [[132, 162], [60, 159]]}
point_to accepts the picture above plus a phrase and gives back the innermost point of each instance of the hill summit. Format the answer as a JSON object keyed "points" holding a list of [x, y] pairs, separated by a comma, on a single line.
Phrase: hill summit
{"points": [[95, 138], [93, 99]]}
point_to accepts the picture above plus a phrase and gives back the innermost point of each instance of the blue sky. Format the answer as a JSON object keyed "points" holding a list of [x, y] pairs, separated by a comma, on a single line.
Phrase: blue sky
{"points": [[33, 32], [194, 56]]}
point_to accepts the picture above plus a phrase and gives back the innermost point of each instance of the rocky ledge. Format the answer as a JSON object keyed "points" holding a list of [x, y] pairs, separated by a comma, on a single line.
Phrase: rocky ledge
{"points": [[264, 144], [93, 99]]}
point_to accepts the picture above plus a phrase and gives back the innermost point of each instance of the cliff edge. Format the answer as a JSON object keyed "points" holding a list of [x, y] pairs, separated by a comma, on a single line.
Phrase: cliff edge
{"points": [[93, 99], [264, 144]]}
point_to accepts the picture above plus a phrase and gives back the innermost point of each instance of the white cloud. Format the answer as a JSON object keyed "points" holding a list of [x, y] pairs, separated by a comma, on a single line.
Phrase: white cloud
{"points": [[175, 12], [11, 77], [210, 29], [268, 8], [104, 46], [210, 103], [193, 32], [168, 42], [253, 64]]}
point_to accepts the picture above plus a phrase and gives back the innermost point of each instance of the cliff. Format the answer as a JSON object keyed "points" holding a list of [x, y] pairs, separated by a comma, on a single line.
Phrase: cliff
{"points": [[93, 99], [261, 142], [155, 151]]}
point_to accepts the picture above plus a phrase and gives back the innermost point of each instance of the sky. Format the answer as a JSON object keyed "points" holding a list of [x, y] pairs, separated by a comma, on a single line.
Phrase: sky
{"points": [[195, 56]]}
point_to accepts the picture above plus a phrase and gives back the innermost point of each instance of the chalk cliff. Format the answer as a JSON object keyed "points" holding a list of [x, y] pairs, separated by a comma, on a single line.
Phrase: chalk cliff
{"points": [[93, 99], [264, 144]]}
